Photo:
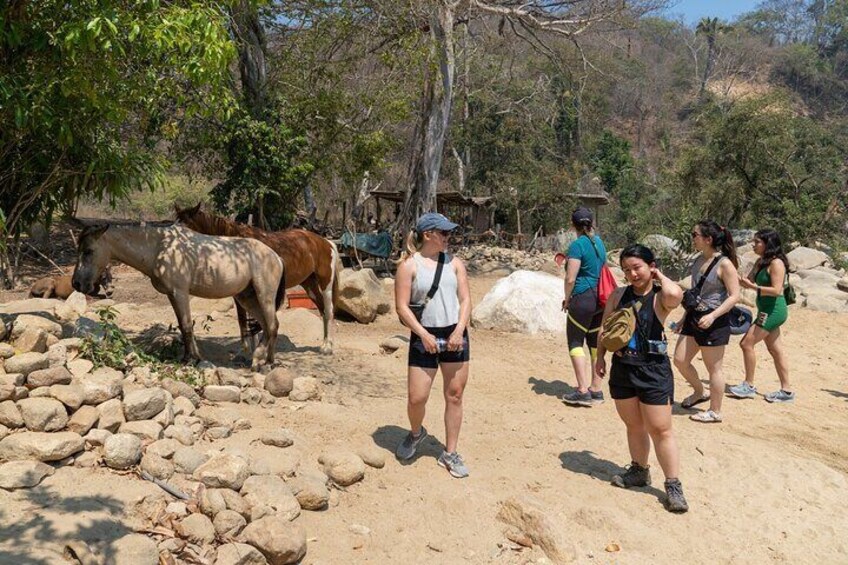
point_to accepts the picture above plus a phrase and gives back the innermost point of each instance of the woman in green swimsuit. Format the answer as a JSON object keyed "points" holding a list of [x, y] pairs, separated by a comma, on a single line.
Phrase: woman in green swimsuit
{"points": [[768, 278]]}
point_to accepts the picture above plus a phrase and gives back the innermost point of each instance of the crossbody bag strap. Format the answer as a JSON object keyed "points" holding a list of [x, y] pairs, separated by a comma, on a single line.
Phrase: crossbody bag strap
{"points": [[595, 247], [436, 278], [703, 278]]}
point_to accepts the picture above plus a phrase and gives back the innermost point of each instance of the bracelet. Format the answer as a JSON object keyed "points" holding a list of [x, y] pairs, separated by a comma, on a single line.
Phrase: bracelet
{"points": [[759, 289]]}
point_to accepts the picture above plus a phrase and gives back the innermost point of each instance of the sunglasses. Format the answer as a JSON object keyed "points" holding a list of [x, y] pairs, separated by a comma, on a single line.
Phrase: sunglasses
{"points": [[695, 234], [445, 233]]}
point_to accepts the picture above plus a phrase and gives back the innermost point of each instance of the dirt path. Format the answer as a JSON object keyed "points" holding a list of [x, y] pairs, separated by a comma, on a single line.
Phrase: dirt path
{"points": [[767, 485]]}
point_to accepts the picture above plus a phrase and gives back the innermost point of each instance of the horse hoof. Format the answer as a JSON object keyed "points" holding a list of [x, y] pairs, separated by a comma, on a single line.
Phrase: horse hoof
{"points": [[326, 350]]}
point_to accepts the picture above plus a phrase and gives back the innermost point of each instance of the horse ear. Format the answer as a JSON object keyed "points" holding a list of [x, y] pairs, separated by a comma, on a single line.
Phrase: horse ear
{"points": [[196, 209]]}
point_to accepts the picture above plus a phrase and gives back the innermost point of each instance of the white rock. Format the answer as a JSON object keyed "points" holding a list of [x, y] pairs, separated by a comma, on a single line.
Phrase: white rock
{"points": [[41, 446], [524, 302], [43, 414], [272, 491], [145, 430], [144, 404], [26, 363], [23, 474], [304, 389], [281, 542], [360, 294], [215, 393], [802, 258], [121, 451], [111, 415], [83, 420], [223, 471]]}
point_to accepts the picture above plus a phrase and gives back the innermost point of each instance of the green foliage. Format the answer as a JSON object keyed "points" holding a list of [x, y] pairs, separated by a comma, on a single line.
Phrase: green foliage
{"points": [[265, 170], [611, 160]]}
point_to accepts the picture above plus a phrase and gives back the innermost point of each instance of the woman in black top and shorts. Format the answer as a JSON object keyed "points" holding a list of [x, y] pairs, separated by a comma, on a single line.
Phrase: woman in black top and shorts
{"points": [[641, 381]]}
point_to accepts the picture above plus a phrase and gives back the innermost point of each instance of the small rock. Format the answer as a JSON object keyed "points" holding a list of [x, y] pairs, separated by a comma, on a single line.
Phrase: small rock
{"points": [[134, 549], [87, 460], [101, 385], [229, 523], [40, 392], [11, 379], [178, 509], [57, 355], [310, 493], [20, 393], [219, 432], [280, 541], [268, 399], [279, 382], [32, 340], [6, 349], [23, 474], [181, 390], [26, 363], [83, 420], [305, 388], [80, 367], [223, 471], [258, 381], [146, 430], [4, 431], [122, 451], [197, 528], [158, 467], [43, 414], [10, 415], [182, 434], [235, 502], [97, 437], [359, 529], [212, 502], [49, 377], [372, 456], [183, 406], [7, 390], [164, 448], [228, 377], [111, 415], [272, 461], [392, 344], [260, 511], [252, 396], [239, 554], [69, 395], [77, 302], [166, 417], [241, 425], [271, 490], [214, 393], [41, 446], [343, 467], [144, 404], [526, 514], [278, 438]]}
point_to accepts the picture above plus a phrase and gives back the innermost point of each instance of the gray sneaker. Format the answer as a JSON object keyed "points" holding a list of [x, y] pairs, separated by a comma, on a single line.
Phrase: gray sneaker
{"points": [[597, 396], [454, 464], [577, 398], [407, 448], [743, 390], [634, 476], [781, 396], [674, 499]]}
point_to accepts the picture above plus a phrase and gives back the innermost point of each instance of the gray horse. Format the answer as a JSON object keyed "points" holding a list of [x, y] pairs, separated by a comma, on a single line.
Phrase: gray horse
{"points": [[182, 263]]}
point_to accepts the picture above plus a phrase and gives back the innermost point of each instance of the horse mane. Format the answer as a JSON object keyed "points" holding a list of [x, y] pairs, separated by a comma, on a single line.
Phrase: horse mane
{"points": [[210, 224]]}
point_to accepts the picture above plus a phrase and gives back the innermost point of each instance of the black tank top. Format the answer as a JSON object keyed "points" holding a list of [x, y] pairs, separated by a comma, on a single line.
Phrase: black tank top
{"points": [[648, 326]]}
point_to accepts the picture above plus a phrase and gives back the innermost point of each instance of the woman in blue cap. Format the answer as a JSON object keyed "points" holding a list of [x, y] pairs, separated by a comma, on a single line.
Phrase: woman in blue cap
{"points": [[428, 276]]}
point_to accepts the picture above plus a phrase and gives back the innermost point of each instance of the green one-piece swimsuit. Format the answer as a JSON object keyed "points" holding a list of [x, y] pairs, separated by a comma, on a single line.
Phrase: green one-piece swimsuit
{"points": [[771, 310]]}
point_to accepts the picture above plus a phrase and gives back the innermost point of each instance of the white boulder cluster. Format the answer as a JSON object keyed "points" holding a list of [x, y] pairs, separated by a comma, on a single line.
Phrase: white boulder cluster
{"points": [[57, 409]]}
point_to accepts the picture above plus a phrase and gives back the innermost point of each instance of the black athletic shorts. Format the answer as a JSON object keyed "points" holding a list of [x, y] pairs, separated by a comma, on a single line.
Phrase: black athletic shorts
{"points": [[418, 356], [584, 320], [715, 335], [652, 383]]}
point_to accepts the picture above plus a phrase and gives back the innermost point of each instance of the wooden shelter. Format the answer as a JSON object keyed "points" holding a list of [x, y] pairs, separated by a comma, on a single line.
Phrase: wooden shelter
{"points": [[474, 213], [591, 193]]}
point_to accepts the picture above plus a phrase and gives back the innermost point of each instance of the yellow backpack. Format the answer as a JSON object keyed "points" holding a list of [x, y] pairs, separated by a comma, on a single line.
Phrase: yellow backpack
{"points": [[619, 326]]}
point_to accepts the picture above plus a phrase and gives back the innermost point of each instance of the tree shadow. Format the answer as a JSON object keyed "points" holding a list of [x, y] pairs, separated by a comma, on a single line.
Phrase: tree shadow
{"points": [[389, 437], [549, 388], [587, 463], [836, 393], [31, 538]]}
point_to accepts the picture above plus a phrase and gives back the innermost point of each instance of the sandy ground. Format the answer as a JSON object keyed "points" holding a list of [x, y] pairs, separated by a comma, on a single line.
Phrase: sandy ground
{"points": [[767, 485]]}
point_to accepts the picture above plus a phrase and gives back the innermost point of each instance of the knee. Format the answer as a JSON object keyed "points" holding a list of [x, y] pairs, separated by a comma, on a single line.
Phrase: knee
{"points": [[454, 396], [681, 362], [660, 433], [417, 400], [746, 345]]}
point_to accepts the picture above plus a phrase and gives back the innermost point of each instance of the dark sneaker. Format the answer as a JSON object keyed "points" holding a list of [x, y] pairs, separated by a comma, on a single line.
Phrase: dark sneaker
{"points": [[407, 448], [577, 398], [634, 476], [597, 396], [674, 499], [454, 464]]}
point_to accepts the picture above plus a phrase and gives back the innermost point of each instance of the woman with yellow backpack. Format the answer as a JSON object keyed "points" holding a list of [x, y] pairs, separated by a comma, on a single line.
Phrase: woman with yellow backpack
{"points": [[641, 380]]}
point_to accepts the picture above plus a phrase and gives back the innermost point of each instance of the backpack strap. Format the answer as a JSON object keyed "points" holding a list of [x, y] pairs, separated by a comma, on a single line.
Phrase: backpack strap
{"points": [[595, 247]]}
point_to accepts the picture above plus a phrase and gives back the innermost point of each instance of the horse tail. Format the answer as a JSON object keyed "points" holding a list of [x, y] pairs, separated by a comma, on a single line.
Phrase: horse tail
{"points": [[281, 289], [336, 269]]}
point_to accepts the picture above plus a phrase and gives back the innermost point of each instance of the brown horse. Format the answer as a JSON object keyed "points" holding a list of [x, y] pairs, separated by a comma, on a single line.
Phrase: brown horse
{"points": [[311, 261], [183, 263]]}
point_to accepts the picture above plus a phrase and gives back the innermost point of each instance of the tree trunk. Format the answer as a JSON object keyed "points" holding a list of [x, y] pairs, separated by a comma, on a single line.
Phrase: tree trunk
{"points": [[708, 69], [250, 42], [309, 201]]}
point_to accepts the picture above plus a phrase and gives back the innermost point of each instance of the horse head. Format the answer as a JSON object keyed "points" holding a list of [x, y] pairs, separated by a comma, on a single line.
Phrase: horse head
{"points": [[92, 259], [190, 217]]}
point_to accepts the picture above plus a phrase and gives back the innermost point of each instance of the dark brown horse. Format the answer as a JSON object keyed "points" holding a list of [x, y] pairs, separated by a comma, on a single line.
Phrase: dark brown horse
{"points": [[182, 263], [311, 261]]}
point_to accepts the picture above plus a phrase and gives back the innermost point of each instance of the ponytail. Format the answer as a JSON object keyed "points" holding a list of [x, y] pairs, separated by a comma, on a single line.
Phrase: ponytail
{"points": [[722, 239], [413, 244]]}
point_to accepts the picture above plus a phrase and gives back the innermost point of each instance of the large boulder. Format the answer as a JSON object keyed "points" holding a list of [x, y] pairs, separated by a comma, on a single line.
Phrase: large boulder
{"points": [[661, 244], [43, 414], [279, 382], [223, 471], [827, 300], [41, 446], [23, 474], [802, 258], [280, 541], [342, 466], [144, 404], [121, 451], [271, 491], [523, 302], [25, 321], [360, 294]]}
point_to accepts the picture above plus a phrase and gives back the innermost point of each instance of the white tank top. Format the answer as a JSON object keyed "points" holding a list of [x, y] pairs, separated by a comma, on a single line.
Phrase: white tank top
{"points": [[443, 309]]}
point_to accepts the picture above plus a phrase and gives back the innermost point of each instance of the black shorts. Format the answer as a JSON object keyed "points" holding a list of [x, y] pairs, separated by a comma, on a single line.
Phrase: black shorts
{"points": [[418, 356], [652, 383], [715, 335], [584, 320]]}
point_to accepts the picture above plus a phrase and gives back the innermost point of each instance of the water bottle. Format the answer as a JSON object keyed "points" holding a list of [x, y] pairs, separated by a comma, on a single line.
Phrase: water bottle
{"points": [[441, 344], [674, 326]]}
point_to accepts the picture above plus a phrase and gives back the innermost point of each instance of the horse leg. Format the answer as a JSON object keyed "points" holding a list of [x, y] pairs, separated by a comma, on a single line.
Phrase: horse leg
{"points": [[321, 298], [250, 303], [248, 343], [180, 304]]}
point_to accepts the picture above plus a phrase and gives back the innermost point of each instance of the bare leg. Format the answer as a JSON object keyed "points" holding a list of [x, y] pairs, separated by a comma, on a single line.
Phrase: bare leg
{"points": [[180, 304], [755, 335], [419, 382], [638, 440], [713, 358], [658, 423], [684, 353], [456, 377], [781, 363], [582, 371]]}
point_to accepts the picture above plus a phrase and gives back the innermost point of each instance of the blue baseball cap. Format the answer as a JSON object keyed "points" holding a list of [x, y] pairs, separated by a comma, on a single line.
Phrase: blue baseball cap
{"points": [[434, 221]]}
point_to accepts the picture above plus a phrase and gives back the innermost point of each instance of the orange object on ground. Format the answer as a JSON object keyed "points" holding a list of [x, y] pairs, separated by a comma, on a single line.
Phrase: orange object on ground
{"points": [[299, 299]]}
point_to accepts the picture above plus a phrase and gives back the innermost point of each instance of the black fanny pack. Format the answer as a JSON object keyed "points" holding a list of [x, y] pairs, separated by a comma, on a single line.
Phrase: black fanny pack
{"points": [[692, 297]]}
